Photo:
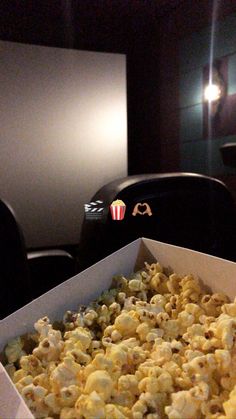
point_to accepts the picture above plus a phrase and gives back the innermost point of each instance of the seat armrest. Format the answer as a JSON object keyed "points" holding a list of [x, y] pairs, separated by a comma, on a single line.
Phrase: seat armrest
{"points": [[48, 253]]}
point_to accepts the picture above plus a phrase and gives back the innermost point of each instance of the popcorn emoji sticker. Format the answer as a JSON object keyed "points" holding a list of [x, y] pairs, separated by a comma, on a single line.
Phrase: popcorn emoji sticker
{"points": [[117, 209]]}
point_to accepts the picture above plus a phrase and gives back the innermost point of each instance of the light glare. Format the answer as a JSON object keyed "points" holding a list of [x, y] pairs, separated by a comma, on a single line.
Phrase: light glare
{"points": [[212, 92]]}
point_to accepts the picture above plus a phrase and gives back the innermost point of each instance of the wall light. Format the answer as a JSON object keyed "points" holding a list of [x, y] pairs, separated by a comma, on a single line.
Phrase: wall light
{"points": [[214, 91]]}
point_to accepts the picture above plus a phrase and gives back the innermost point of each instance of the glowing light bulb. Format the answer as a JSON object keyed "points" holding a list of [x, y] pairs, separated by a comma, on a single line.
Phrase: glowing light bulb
{"points": [[212, 92]]}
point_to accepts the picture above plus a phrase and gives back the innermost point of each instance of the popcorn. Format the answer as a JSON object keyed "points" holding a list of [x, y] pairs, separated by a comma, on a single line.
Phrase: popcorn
{"points": [[158, 300], [100, 362], [161, 352], [137, 355], [10, 369], [53, 402], [100, 382], [173, 369], [153, 268], [69, 395], [121, 297], [212, 303], [201, 367], [148, 402], [128, 382], [103, 316], [50, 347], [171, 329], [90, 406], [230, 405], [126, 323], [153, 346], [213, 408], [184, 381], [34, 397], [173, 306], [68, 413], [201, 391], [116, 336], [72, 320], [113, 412], [173, 284], [117, 354], [18, 375], [65, 374], [43, 326], [14, 350], [223, 360], [154, 334], [226, 330], [185, 320], [161, 384], [79, 337], [139, 409], [90, 317], [142, 330], [159, 282], [79, 356], [184, 406], [23, 381], [136, 285], [115, 308], [31, 365], [124, 399], [229, 309], [42, 380], [144, 368]]}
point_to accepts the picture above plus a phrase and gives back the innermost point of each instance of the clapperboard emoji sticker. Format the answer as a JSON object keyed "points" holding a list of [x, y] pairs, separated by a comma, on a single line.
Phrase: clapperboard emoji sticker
{"points": [[94, 210]]}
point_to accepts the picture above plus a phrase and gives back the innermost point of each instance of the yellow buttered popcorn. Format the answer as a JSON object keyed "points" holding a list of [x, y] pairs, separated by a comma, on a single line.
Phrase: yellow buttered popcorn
{"points": [[69, 395], [90, 406], [126, 323], [65, 374], [14, 350], [183, 406], [154, 346], [128, 382], [113, 412], [34, 397], [100, 382], [230, 405]]}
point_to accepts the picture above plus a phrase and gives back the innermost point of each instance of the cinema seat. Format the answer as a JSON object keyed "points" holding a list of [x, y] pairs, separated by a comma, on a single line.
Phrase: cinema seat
{"points": [[188, 210], [24, 276]]}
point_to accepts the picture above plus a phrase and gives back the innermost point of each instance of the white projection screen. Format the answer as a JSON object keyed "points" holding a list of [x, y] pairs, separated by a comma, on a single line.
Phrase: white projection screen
{"points": [[63, 135]]}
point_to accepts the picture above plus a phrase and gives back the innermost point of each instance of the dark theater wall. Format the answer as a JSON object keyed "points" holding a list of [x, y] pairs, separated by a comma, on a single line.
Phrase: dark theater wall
{"points": [[184, 39]]}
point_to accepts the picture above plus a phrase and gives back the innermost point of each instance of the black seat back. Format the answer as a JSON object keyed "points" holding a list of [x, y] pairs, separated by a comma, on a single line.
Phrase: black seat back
{"points": [[14, 273], [188, 210]]}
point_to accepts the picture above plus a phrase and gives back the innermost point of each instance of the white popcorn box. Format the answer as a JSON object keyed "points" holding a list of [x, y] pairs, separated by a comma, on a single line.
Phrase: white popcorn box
{"points": [[218, 275]]}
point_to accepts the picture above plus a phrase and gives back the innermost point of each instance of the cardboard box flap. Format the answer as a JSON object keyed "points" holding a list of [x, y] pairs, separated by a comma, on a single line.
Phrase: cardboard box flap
{"points": [[81, 289], [11, 404]]}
